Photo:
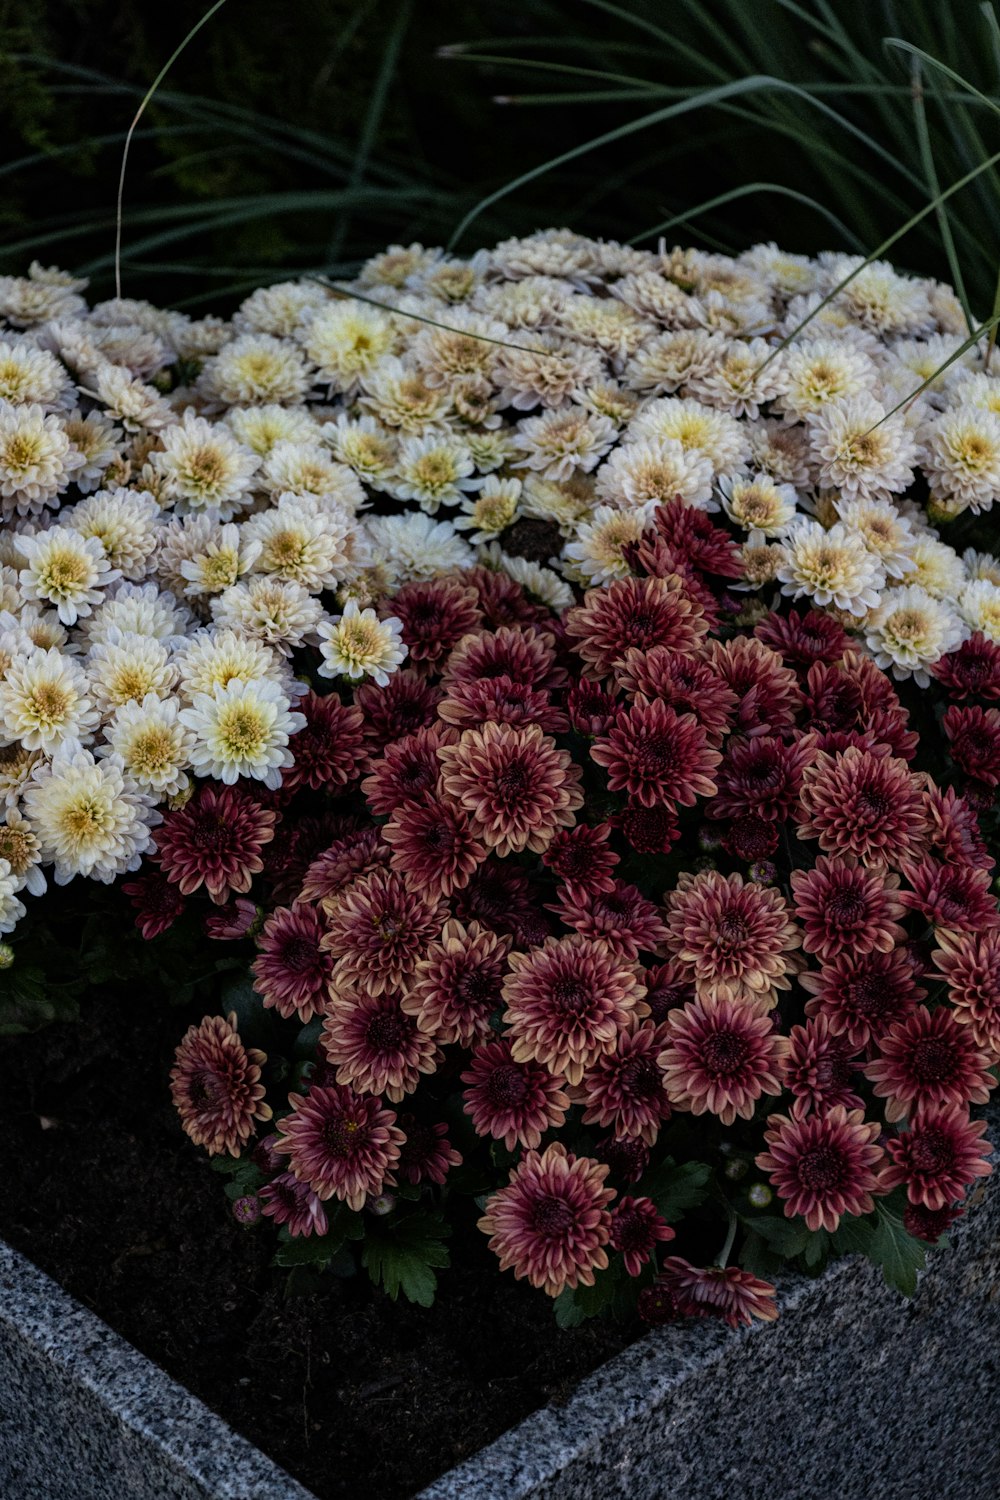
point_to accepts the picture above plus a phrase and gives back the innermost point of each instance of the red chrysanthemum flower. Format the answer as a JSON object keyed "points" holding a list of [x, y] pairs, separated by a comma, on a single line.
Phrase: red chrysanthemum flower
{"points": [[622, 916], [502, 601], [406, 769], [928, 1060], [215, 840], [762, 777], [862, 804], [215, 1086], [970, 963], [821, 1068], [656, 755], [501, 897], [956, 898], [433, 846], [581, 857], [667, 986], [846, 908], [292, 970], [590, 707], [721, 1056], [954, 829], [355, 854], [292, 1203], [823, 1165], [862, 995], [803, 638], [407, 703], [974, 735], [683, 682], [567, 1001], [637, 1227], [724, 1291], [750, 838], [734, 937], [375, 1045], [297, 842], [456, 987], [510, 1101], [426, 1155], [650, 830], [518, 788], [627, 1156], [925, 1224], [689, 533], [501, 700], [551, 1223], [522, 654], [665, 1302], [767, 692], [157, 903], [330, 752], [341, 1144], [378, 931], [625, 1089], [973, 671], [231, 922], [938, 1156], [639, 612], [435, 614]]}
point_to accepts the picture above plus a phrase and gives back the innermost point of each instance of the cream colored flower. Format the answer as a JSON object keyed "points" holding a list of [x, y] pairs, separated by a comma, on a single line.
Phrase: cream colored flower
{"points": [[398, 395], [138, 609], [563, 442], [491, 511], [309, 469], [884, 531], [397, 266], [97, 441], [544, 371], [910, 631], [817, 371], [215, 555], [37, 459], [981, 565], [129, 401], [979, 606], [304, 541], [215, 658], [542, 583], [29, 374], [937, 568], [204, 468], [637, 473], [278, 613], [606, 324], [364, 446], [88, 821], [597, 554], [878, 297], [151, 744], [11, 909], [127, 668], [20, 847], [830, 568], [346, 340], [567, 503], [44, 700], [359, 644], [280, 308], [962, 458], [255, 370], [259, 428], [699, 430], [738, 381], [757, 503], [780, 451], [434, 470], [860, 451], [416, 547], [243, 729], [65, 570], [16, 766], [125, 522]]}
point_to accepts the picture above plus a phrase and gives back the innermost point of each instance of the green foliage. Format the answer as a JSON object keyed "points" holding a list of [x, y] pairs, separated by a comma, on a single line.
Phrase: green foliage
{"points": [[401, 1255], [675, 1188], [879, 1236], [613, 1294]]}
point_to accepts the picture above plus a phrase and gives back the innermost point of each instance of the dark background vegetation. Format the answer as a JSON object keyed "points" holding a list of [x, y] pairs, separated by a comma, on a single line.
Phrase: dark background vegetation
{"points": [[308, 135]]}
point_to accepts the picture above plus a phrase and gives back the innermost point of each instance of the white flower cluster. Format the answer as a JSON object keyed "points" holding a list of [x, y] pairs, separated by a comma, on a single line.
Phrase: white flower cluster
{"points": [[184, 503]]}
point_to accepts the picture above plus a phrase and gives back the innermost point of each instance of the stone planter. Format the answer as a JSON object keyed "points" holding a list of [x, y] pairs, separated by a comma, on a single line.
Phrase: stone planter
{"points": [[853, 1392]]}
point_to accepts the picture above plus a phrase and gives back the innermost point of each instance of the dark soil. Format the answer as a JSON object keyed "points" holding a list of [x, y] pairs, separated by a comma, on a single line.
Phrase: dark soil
{"points": [[343, 1387]]}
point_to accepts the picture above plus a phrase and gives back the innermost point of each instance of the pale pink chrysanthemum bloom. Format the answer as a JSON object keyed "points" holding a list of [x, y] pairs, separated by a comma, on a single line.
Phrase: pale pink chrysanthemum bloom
{"points": [[340, 1144], [215, 1086], [823, 1165], [516, 785], [734, 937], [720, 1057]]}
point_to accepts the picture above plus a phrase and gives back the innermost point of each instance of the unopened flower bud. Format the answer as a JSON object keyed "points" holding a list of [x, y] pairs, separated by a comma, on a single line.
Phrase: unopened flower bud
{"points": [[736, 1168], [382, 1205], [246, 1210], [760, 1195], [6, 955], [763, 871]]}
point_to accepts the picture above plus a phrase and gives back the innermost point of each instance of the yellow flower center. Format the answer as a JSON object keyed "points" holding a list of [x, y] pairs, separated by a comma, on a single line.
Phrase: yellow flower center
{"points": [[23, 449], [242, 730], [49, 703]]}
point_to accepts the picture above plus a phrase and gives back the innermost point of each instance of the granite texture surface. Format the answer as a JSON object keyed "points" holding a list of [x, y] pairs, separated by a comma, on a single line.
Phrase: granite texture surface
{"points": [[84, 1416]]}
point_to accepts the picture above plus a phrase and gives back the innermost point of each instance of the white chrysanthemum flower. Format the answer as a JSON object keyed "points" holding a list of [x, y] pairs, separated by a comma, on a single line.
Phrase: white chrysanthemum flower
{"points": [[699, 430], [606, 398], [673, 360], [490, 450], [449, 281], [242, 729], [544, 371], [978, 389], [88, 821], [656, 298], [542, 583], [548, 252], [491, 511], [358, 644], [65, 570], [566, 502], [884, 531], [565, 441], [398, 395], [910, 631], [44, 700], [37, 459], [791, 275], [937, 568], [879, 298], [364, 445], [26, 301], [44, 628], [214, 658], [20, 847], [397, 266], [962, 458], [216, 556], [305, 541], [757, 503], [254, 370], [732, 316], [259, 428], [860, 451], [606, 324], [16, 766], [739, 381], [468, 346], [598, 553], [151, 744], [524, 305], [279, 309], [129, 401], [433, 470], [347, 340], [920, 360], [203, 467], [980, 565], [279, 614], [126, 669], [11, 909], [830, 568], [416, 547], [637, 473], [780, 451], [125, 522], [98, 443], [138, 609], [29, 374], [979, 605], [818, 371], [310, 469]]}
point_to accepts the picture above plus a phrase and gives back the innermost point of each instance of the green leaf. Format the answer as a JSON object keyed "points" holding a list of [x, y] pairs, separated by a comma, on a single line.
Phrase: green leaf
{"points": [[817, 1246], [757, 1258], [675, 1188], [898, 1253], [569, 1313], [399, 1255], [783, 1237], [853, 1236]]}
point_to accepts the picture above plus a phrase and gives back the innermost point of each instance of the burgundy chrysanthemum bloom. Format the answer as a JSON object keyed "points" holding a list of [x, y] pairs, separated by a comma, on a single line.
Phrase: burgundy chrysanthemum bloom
{"points": [[650, 830], [433, 845], [726, 1292], [297, 842], [288, 1201], [750, 838], [625, 1089], [215, 840], [767, 692], [342, 1144], [456, 986], [502, 601], [375, 1045], [637, 1227], [656, 755], [622, 916], [665, 1302], [639, 612], [500, 896], [355, 854], [522, 654], [721, 1056], [938, 1156], [231, 922], [581, 856], [846, 908], [157, 903], [973, 671], [974, 735], [407, 703], [762, 777], [925, 1224], [292, 970], [667, 986], [567, 1001], [690, 534], [551, 1223], [956, 898], [627, 1156], [823, 1165], [821, 1068], [970, 963], [435, 614], [215, 1086], [803, 638], [378, 931], [517, 787], [426, 1155], [954, 829], [852, 699], [862, 804], [929, 1060], [861, 995], [590, 707], [330, 752], [406, 769], [501, 700], [734, 937], [685, 683], [510, 1101]]}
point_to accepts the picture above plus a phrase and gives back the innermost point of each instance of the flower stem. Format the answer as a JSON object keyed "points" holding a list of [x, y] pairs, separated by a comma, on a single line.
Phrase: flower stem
{"points": [[724, 1253]]}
